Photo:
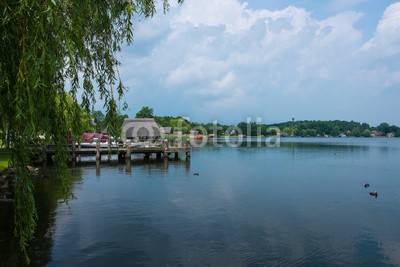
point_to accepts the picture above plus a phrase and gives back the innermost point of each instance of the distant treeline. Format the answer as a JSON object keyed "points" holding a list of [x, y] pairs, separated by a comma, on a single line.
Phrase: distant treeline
{"points": [[291, 128], [336, 128]]}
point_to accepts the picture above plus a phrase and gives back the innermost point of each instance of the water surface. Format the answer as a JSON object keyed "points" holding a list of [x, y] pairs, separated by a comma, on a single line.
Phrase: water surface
{"points": [[302, 203]]}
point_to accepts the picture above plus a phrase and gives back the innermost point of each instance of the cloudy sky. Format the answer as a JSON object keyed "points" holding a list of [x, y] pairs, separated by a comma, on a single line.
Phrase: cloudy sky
{"points": [[228, 60]]}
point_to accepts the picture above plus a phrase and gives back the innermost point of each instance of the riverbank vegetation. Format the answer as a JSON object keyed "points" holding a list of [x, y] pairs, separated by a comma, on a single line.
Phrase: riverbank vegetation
{"points": [[5, 157], [337, 128], [306, 128]]}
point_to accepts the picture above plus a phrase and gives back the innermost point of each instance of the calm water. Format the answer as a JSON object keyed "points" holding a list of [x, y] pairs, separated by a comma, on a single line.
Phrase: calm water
{"points": [[300, 204]]}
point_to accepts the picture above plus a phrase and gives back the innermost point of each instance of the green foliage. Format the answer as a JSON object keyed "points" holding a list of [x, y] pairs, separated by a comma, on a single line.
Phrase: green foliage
{"points": [[299, 128], [333, 128], [113, 124], [384, 128], [145, 112], [366, 133], [176, 123], [98, 117], [5, 157], [254, 129], [47, 45]]}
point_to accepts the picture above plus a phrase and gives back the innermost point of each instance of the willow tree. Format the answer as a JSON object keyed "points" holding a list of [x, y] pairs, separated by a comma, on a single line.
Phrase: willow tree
{"points": [[50, 49]]}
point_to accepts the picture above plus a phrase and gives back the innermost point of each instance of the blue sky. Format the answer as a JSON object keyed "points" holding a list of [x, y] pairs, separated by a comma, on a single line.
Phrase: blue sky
{"points": [[230, 60]]}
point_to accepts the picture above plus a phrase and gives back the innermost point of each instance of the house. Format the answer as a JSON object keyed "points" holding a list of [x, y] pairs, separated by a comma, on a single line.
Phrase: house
{"points": [[376, 134], [166, 130], [140, 129], [391, 135]]}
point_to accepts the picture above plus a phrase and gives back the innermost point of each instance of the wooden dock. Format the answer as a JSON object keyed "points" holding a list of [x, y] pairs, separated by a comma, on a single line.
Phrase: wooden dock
{"points": [[125, 151]]}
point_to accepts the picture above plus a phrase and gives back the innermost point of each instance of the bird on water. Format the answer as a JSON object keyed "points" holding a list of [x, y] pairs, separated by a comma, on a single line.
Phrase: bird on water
{"points": [[196, 174], [366, 185], [374, 194]]}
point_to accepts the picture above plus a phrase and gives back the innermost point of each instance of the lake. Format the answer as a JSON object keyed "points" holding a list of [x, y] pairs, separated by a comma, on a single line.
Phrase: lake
{"points": [[300, 204]]}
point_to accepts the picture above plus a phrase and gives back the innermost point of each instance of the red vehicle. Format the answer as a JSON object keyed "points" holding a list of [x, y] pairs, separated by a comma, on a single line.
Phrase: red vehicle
{"points": [[88, 137]]}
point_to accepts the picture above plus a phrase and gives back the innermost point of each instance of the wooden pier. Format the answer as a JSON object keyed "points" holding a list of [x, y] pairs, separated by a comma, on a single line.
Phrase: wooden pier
{"points": [[125, 151]]}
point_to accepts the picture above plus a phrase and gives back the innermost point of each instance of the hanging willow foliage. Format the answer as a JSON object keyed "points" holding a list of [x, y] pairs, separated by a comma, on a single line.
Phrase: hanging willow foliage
{"points": [[45, 47]]}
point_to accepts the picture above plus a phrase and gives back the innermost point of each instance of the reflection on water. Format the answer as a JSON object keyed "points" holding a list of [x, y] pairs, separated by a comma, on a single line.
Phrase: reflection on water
{"points": [[48, 195], [302, 203]]}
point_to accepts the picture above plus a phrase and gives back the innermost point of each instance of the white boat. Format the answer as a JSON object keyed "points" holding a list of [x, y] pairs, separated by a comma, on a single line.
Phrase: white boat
{"points": [[94, 144]]}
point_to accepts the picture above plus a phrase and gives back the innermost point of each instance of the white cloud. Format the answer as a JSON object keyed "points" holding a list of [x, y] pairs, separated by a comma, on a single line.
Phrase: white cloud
{"points": [[387, 36], [221, 57], [195, 68], [228, 13]]}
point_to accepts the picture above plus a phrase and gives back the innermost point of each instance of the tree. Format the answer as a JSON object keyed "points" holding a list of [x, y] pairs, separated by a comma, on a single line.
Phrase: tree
{"points": [[145, 112], [98, 117], [114, 125], [356, 132], [366, 133], [384, 128], [180, 124], [47, 45]]}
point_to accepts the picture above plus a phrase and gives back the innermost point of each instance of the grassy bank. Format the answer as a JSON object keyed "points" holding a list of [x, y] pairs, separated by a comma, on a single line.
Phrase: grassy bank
{"points": [[4, 158]]}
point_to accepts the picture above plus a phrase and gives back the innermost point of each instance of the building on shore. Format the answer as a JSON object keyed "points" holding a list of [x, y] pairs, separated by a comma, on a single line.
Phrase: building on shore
{"points": [[166, 130], [140, 129]]}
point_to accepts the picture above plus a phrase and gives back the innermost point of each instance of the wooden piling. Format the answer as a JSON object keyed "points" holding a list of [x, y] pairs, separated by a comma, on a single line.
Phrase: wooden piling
{"points": [[98, 154], [109, 152], [163, 150], [128, 150], [79, 156], [97, 167], [121, 157], [165, 164], [165, 145], [128, 165]]}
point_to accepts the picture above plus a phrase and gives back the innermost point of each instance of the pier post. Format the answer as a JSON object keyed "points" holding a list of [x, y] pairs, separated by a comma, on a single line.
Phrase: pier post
{"points": [[109, 151], [79, 155], [97, 167], [98, 154], [165, 145], [176, 155], [166, 148], [128, 165], [187, 165], [187, 149], [165, 164], [120, 157], [128, 150]]}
